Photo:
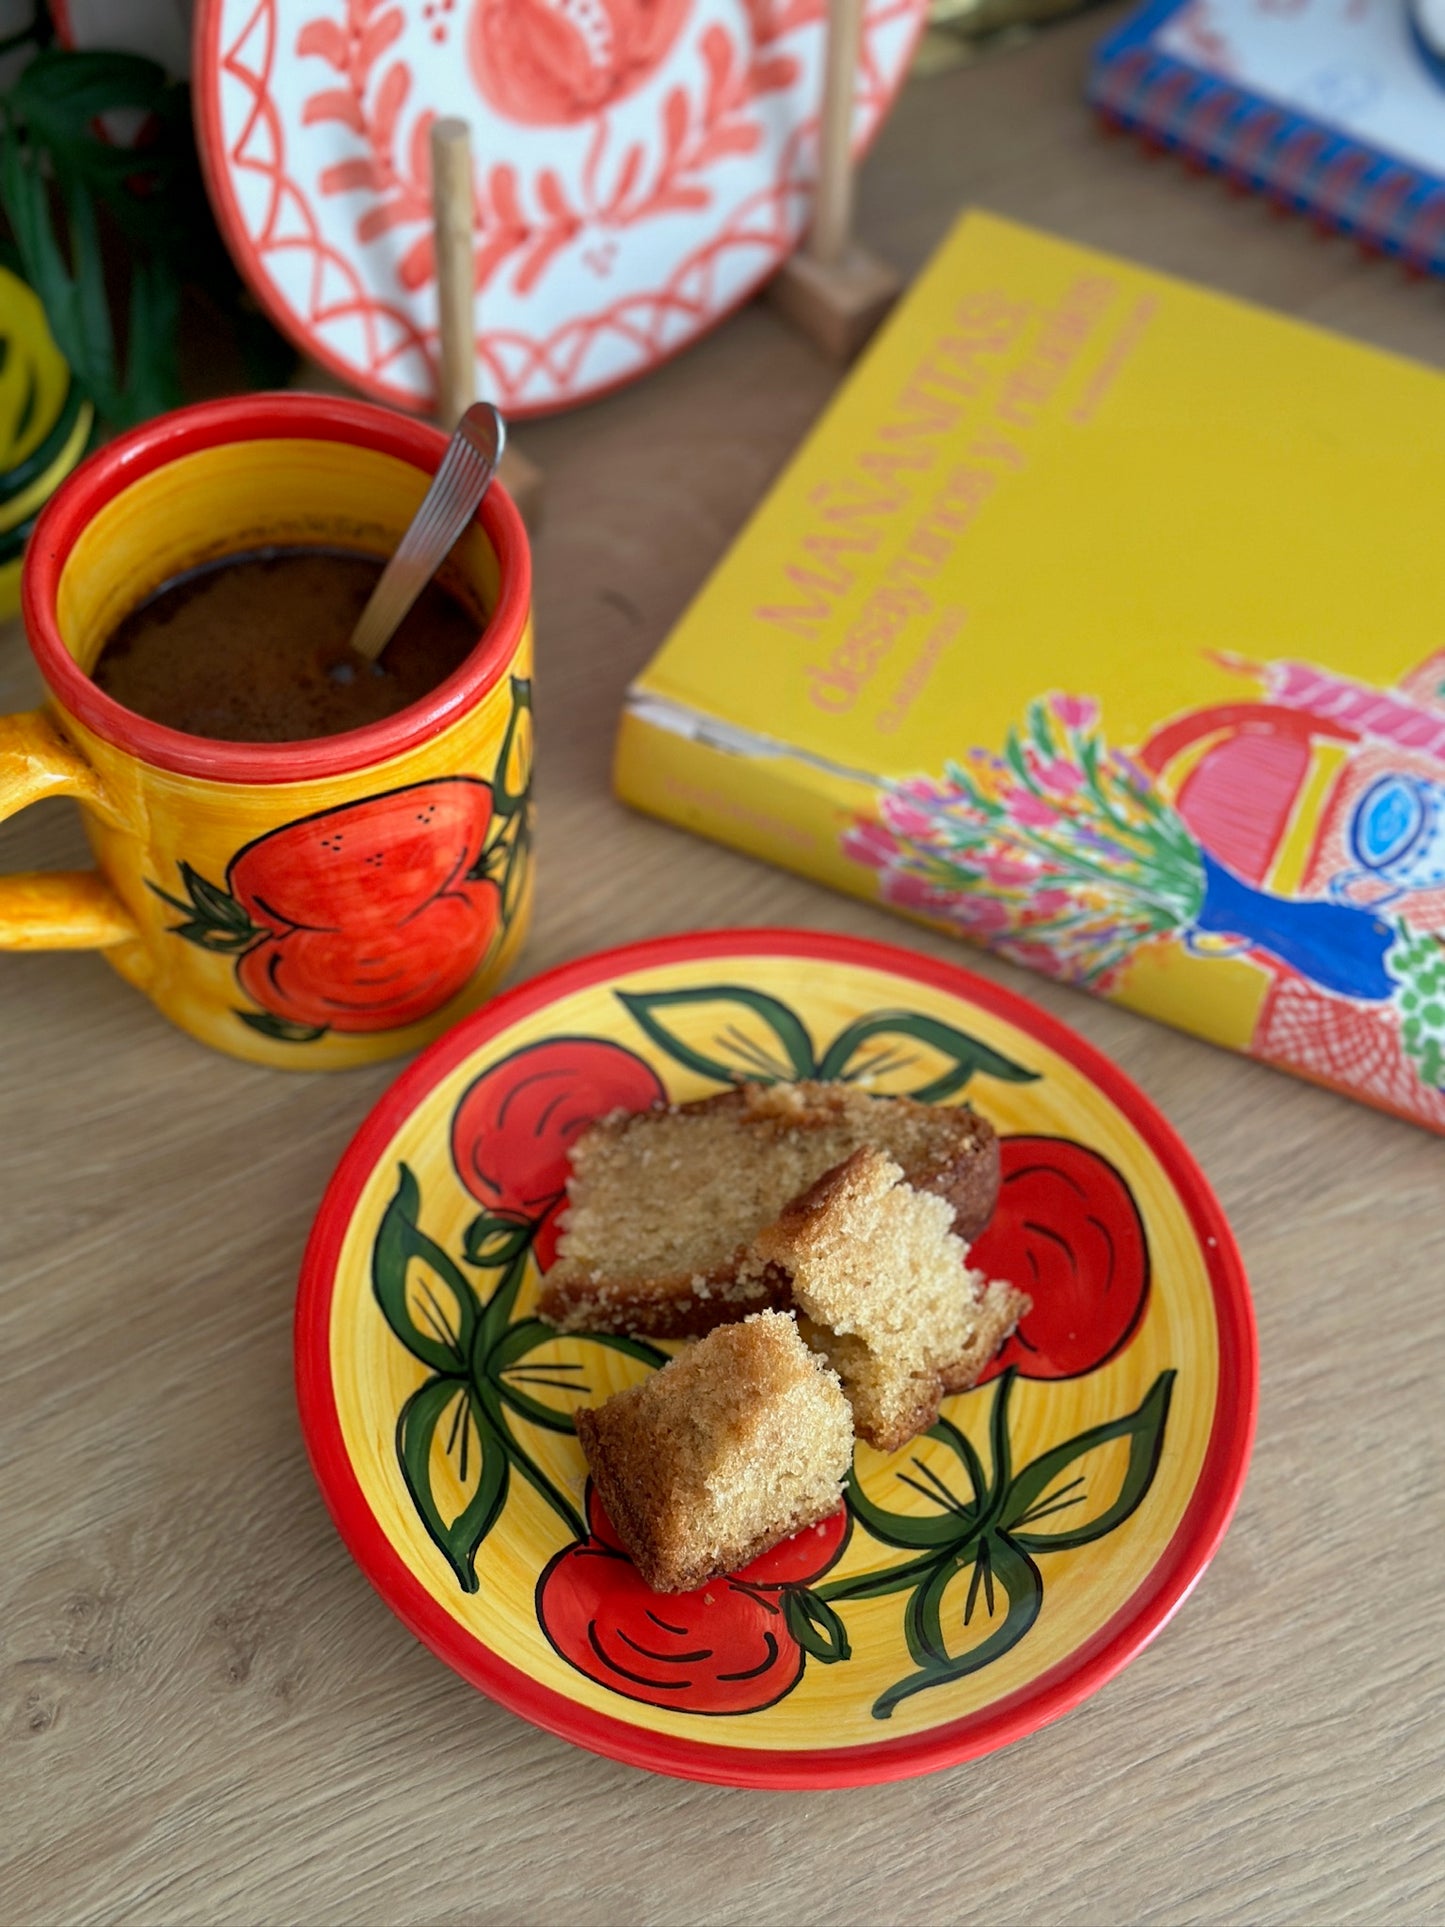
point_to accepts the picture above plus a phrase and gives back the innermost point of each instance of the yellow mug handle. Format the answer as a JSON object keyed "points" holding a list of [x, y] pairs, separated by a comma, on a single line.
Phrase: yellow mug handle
{"points": [[53, 909]]}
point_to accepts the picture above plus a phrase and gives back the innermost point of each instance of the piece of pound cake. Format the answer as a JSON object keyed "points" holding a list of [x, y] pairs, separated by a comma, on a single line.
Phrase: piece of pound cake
{"points": [[665, 1204], [880, 1281], [742, 1440]]}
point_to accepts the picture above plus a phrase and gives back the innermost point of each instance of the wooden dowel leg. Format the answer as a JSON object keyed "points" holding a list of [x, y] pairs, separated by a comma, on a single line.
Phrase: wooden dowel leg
{"points": [[832, 231], [453, 216], [833, 290]]}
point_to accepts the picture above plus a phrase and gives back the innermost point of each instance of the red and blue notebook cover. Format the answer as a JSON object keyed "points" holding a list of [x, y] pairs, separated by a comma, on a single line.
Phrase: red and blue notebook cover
{"points": [[1327, 106]]}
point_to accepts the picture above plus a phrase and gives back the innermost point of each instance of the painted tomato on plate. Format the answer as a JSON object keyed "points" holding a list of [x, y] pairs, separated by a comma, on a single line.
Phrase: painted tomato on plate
{"points": [[1067, 1231], [514, 1126], [731, 1646]]}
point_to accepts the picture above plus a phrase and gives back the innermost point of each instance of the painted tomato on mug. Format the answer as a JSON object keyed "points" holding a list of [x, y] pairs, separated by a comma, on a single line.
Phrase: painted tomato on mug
{"points": [[367, 917]]}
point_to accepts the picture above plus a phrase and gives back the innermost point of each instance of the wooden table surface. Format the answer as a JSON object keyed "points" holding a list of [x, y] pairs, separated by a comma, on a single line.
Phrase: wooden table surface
{"points": [[208, 1715]]}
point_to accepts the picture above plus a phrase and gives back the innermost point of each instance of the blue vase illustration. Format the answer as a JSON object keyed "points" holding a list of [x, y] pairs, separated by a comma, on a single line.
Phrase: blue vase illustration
{"points": [[1339, 946]]}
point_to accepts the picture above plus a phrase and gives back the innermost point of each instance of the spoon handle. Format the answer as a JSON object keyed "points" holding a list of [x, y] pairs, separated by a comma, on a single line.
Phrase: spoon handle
{"points": [[448, 505]]}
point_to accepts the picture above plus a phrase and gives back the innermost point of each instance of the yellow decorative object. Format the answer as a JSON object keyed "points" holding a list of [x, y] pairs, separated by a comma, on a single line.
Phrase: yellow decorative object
{"points": [[310, 905], [45, 423]]}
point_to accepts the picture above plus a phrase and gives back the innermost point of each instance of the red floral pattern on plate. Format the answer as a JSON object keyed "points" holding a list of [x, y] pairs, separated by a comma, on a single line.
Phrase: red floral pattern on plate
{"points": [[728, 1647], [1067, 1231], [551, 62], [638, 175]]}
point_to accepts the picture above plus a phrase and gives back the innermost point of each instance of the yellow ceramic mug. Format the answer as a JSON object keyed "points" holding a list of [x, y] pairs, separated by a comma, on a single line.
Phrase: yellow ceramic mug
{"points": [[315, 904]]}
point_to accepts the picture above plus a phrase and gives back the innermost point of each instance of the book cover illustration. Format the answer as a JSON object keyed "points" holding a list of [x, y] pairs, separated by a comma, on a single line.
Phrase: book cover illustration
{"points": [[1071, 856], [1095, 622]]}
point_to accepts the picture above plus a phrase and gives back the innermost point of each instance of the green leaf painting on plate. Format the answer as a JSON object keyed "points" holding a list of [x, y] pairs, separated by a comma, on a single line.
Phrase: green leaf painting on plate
{"points": [[487, 1370], [734, 1034]]}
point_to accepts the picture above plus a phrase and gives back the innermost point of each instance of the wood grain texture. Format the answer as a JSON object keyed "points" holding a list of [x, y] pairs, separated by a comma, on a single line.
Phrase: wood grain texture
{"points": [[207, 1715]]}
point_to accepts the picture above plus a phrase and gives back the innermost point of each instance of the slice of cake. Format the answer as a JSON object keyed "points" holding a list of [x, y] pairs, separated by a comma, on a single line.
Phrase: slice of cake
{"points": [[664, 1204], [880, 1280], [742, 1440]]}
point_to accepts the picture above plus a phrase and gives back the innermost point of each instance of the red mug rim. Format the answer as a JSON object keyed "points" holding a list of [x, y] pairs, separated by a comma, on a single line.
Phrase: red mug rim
{"points": [[263, 417]]}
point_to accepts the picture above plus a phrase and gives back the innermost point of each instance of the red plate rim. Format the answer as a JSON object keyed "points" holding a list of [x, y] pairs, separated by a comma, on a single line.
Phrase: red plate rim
{"points": [[205, 34], [1055, 1692]]}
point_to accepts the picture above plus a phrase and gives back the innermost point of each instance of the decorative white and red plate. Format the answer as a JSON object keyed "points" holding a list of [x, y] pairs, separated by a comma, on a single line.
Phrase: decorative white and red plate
{"points": [[640, 167], [976, 1584]]}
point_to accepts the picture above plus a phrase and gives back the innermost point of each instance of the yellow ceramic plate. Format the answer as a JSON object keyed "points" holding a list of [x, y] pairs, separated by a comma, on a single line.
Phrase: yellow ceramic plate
{"points": [[978, 1583]]}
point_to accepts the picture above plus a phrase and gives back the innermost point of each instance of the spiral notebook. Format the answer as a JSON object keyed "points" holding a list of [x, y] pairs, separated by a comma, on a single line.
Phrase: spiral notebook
{"points": [[1327, 106]]}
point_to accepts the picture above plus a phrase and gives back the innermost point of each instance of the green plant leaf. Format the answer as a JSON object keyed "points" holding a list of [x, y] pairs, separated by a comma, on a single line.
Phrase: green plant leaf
{"points": [[942, 1647], [152, 385], [206, 937], [91, 307], [422, 1294], [630, 1347], [529, 1335], [507, 799], [816, 1627], [1000, 1444], [212, 901], [517, 1341], [736, 1035], [957, 1501], [57, 161], [1036, 1494], [517, 1344], [25, 195], [12, 542], [211, 918], [964, 1057], [517, 865], [1041, 730], [280, 1028], [535, 1409], [1014, 756], [440, 1422], [63, 91], [497, 1311], [504, 860], [490, 1242], [523, 1462], [76, 304], [876, 1585]]}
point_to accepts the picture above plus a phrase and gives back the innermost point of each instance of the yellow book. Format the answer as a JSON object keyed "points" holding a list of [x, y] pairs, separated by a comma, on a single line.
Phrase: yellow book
{"points": [[1099, 620]]}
